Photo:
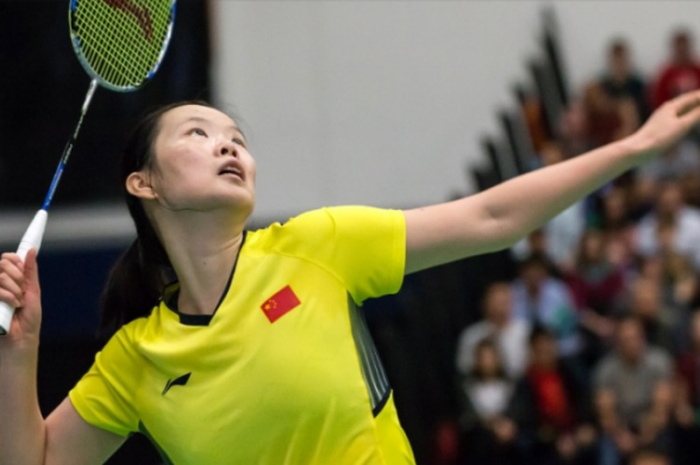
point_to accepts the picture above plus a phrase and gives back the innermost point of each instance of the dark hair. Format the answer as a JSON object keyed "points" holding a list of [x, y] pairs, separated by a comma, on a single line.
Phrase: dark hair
{"points": [[488, 343], [618, 46], [539, 333], [137, 279]]}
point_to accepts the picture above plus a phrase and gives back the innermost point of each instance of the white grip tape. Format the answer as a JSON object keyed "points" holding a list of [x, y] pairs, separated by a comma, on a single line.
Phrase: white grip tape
{"points": [[31, 240]]}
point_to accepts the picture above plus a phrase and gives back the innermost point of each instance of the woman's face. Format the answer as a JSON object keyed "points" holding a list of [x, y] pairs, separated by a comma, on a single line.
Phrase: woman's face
{"points": [[201, 161], [487, 361]]}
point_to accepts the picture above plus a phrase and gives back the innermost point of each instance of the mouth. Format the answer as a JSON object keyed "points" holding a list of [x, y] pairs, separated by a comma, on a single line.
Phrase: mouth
{"points": [[232, 170]]}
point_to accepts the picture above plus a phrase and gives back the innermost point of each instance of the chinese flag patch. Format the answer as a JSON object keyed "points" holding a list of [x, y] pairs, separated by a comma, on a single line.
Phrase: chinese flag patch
{"points": [[283, 301]]}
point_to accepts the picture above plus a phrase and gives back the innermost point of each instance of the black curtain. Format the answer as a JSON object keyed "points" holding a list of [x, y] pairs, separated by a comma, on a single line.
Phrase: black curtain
{"points": [[42, 87]]}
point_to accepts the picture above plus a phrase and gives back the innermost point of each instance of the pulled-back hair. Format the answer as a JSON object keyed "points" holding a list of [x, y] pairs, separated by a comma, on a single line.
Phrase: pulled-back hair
{"points": [[138, 277]]}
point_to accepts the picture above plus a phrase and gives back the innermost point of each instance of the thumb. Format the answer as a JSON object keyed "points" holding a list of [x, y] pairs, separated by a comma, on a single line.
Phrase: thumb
{"points": [[31, 272]]}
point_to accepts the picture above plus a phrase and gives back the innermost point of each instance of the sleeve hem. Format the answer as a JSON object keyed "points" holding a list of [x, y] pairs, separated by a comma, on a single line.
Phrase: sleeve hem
{"points": [[84, 413]]}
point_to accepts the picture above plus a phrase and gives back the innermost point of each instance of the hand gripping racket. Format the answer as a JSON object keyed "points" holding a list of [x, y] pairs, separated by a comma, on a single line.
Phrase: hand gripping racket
{"points": [[121, 44]]}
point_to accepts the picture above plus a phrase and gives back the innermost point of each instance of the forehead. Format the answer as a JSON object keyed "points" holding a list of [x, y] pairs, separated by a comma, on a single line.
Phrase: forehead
{"points": [[185, 113]]}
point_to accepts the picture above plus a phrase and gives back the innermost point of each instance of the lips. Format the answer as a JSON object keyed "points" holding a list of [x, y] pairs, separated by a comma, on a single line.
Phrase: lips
{"points": [[232, 168]]}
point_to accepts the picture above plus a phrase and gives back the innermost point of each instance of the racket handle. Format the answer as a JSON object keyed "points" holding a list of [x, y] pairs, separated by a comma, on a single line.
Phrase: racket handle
{"points": [[31, 240]]}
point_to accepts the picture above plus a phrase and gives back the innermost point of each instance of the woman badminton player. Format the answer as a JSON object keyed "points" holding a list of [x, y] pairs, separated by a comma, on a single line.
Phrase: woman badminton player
{"points": [[256, 354]]}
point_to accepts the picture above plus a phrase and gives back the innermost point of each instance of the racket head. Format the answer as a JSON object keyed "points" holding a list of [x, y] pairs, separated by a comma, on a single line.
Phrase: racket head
{"points": [[121, 43]]}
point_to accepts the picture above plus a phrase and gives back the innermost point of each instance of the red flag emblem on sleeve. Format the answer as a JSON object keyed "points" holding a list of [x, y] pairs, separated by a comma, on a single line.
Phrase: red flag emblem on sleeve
{"points": [[282, 302]]}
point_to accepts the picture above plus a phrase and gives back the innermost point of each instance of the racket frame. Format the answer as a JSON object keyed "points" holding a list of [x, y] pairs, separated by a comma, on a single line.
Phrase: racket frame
{"points": [[34, 234], [78, 49]]}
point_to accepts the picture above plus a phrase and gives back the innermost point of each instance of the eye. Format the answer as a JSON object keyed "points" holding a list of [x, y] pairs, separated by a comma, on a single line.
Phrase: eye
{"points": [[238, 141], [198, 131]]}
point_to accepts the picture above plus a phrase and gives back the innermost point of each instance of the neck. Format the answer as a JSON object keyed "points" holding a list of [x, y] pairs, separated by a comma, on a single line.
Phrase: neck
{"points": [[202, 247]]}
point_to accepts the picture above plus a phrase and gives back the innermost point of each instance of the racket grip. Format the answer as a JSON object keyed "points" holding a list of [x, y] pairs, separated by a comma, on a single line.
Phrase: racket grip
{"points": [[31, 240]]}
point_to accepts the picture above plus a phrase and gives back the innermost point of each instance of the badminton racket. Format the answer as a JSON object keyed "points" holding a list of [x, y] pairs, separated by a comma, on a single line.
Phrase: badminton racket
{"points": [[120, 44]]}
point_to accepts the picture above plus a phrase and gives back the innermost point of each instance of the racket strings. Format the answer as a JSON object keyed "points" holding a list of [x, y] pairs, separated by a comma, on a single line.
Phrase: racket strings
{"points": [[122, 40]]}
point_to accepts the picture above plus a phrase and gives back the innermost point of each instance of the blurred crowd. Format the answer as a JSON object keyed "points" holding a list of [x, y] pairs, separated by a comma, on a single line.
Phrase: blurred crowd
{"points": [[592, 355]]}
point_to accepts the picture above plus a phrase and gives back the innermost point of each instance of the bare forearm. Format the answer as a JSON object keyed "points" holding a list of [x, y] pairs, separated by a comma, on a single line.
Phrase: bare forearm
{"points": [[22, 432], [527, 202]]}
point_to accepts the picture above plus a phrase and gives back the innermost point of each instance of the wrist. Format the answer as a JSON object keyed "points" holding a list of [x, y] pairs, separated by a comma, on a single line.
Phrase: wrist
{"points": [[23, 353], [637, 149]]}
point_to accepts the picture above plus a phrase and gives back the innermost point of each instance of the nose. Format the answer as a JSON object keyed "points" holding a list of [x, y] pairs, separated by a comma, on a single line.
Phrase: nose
{"points": [[228, 148]]}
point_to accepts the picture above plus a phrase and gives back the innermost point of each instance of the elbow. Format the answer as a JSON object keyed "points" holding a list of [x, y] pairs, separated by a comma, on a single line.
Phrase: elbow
{"points": [[501, 233]]}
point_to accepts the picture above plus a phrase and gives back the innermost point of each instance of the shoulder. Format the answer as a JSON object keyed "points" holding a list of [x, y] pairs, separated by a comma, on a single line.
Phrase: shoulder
{"points": [[658, 358], [474, 332], [608, 368], [323, 224]]}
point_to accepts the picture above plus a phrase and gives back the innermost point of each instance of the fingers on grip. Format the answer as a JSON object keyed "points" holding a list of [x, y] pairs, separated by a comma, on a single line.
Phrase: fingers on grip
{"points": [[12, 280]]}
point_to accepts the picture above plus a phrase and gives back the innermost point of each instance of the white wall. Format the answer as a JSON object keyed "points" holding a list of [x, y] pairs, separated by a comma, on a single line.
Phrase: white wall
{"points": [[383, 103], [367, 102]]}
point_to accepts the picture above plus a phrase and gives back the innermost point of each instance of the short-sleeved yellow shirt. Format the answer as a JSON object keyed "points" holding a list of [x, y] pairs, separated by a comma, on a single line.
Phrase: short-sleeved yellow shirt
{"points": [[284, 372]]}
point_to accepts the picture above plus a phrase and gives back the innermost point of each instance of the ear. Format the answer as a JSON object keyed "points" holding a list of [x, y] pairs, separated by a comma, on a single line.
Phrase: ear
{"points": [[138, 184]]}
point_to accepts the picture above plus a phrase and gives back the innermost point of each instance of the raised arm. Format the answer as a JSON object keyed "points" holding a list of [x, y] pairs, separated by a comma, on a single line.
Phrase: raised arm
{"points": [[498, 217], [25, 437]]}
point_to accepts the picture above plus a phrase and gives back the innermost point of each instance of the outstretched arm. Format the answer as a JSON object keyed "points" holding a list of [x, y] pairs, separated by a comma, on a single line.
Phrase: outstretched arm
{"points": [[498, 217]]}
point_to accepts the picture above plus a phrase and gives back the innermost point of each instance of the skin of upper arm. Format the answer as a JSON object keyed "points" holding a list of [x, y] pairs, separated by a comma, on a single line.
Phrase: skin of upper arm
{"points": [[450, 231], [70, 440]]}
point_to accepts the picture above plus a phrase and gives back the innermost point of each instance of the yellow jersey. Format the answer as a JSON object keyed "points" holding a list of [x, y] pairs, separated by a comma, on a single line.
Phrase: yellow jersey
{"points": [[284, 372]]}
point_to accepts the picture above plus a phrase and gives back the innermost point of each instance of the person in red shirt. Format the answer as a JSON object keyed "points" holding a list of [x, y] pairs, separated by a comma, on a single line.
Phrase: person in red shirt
{"points": [[554, 408], [681, 74]]}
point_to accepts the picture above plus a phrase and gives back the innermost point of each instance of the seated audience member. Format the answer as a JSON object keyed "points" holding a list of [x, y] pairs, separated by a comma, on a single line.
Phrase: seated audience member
{"points": [[541, 299], [673, 164], [672, 210], [597, 285], [555, 412], [620, 81], [616, 222], [687, 406], [649, 457], [632, 394], [607, 119], [563, 232], [489, 433], [572, 129], [534, 116], [678, 284], [681, 73], [659, 321], [678, 278], [509, 334]]}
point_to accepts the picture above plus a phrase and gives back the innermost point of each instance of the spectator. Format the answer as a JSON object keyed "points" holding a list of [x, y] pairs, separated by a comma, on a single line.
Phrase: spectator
{"points": [[555, 407], [607, 119], [572, 129], [681, 73], [659, 322], [489, 432], [541, 299], [597, 285], [632, 394], [616, 222], [510, 335], [681, 158], [677, 274], [671, 210], [690, 183], [687, 407], [621, 82]]}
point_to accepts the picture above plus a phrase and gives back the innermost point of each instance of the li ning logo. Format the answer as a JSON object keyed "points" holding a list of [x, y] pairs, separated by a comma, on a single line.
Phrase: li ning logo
{"points": [[180, 381]]}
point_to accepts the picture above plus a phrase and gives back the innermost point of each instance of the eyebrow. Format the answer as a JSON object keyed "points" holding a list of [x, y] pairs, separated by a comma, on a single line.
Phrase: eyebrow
{"points": [[199, 119]]}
